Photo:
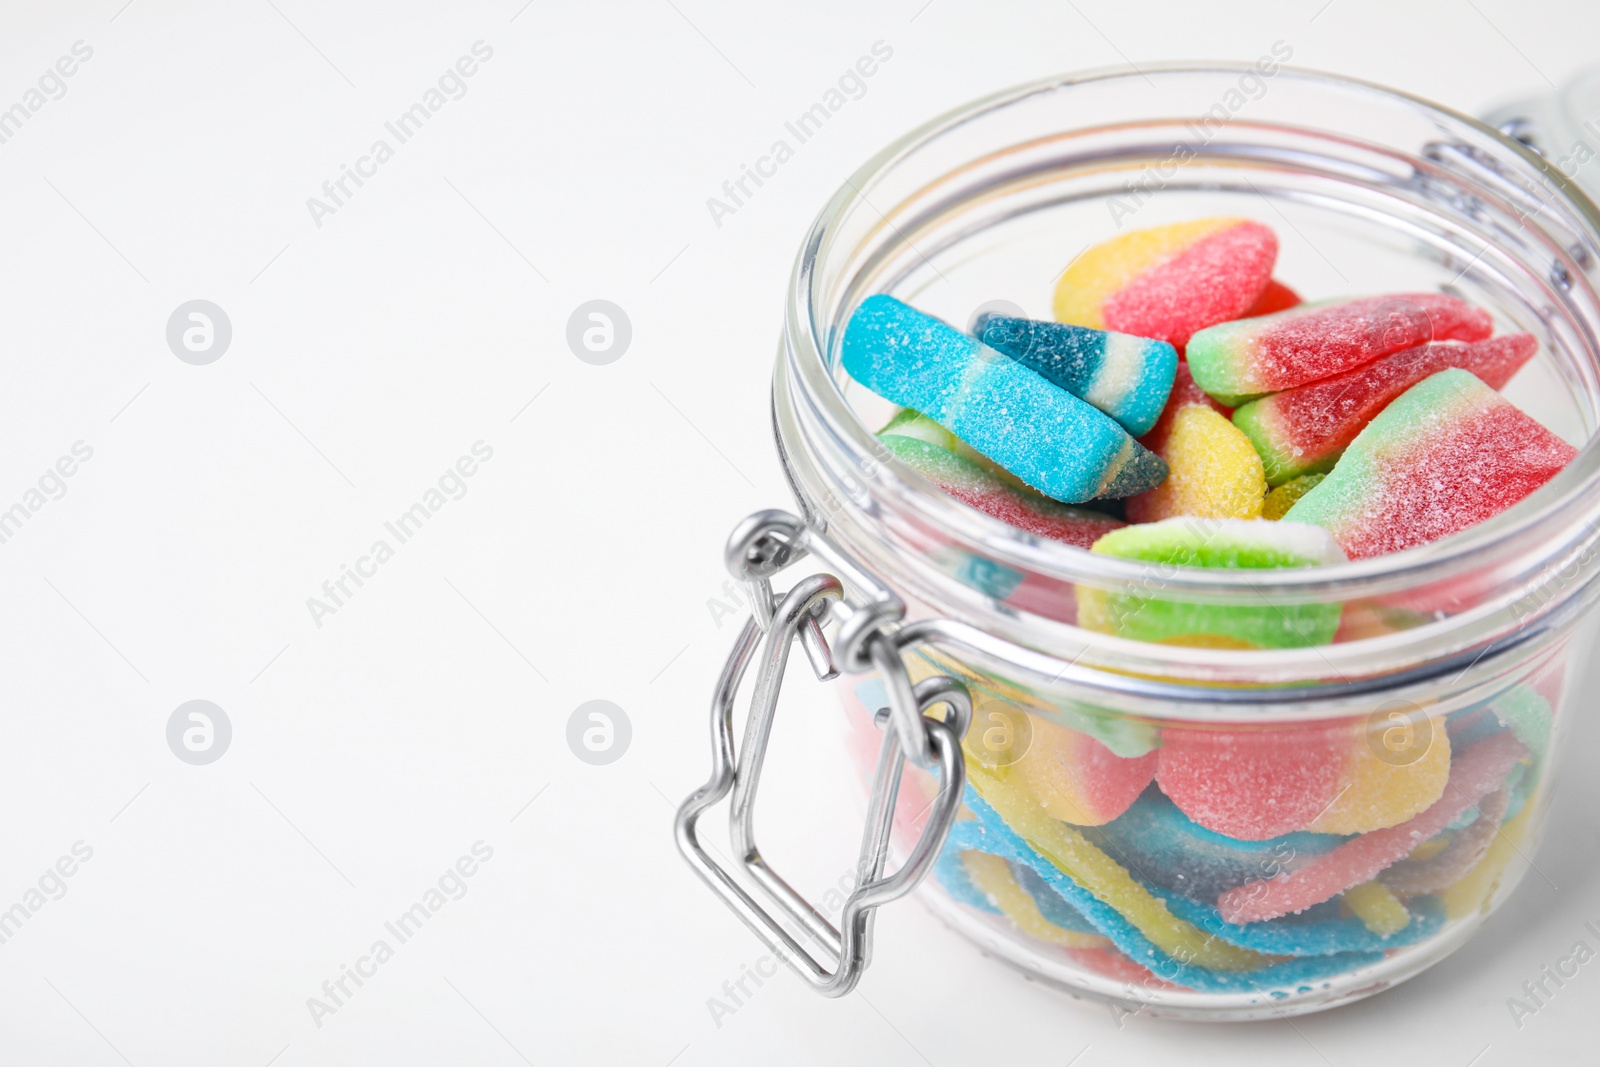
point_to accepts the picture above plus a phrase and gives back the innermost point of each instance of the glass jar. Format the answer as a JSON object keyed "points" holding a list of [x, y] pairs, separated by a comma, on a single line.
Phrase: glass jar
{"points": [[1189, 827]]}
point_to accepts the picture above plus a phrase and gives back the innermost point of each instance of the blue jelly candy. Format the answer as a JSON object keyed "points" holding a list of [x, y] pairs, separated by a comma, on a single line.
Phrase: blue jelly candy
{"points": [[1169, 850], [1124, 376], [1045, 436]]}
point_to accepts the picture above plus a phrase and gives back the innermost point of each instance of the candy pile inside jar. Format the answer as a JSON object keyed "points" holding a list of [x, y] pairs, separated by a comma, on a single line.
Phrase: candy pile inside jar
{"points": [[1186, 409]]}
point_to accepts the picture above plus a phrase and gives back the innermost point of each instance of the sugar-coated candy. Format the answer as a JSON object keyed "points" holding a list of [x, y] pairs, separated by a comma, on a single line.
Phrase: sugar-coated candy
{"points": [[1274, 298], [1477, 772], [979, 488], [1252, 784], [1051, 905], [996, 795], [992, 876], [1377, 908], [1279, 500], [1449, 453], [1384, 790], [1473, 890], [1419, 874], [1218, 543], [1124, 376], [1138, 922], [1169, 281], [1056, 443], [1213, 472], [1304, 429], [1236, 361], [1077, 779], [1171, 851], [1319, 932]]}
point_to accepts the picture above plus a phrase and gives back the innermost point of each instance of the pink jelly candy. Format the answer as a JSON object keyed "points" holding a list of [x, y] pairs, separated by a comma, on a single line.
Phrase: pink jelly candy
{"points": [[1235, 361], [1476, 772], [1252, 784], [1446, 455]]}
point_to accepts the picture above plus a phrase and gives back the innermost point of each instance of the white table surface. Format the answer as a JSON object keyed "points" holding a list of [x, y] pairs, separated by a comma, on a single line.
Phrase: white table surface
{"points": [[424, 715]]}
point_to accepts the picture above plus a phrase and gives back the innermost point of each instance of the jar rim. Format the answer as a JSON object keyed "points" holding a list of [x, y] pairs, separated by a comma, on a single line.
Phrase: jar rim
{"points": [[1560, 514]]}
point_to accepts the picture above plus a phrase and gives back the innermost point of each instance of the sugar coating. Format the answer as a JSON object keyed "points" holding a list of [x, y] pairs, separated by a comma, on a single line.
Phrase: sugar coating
{"points": [[1319, 935], [1077, 779], [1448, 453], [1101, 271], [1172, 851], [1281, 499], [1235, 361], [1225, 543], [1374, 792], [1050, 439], [1305, 429], [1214, 280], [1252, 784], [1213, 472], [1137, 921], [993, 877], [1415, 876], [1167, 282], [1378, 909], [1051, 906], [1126, 377], [979, 488], [1477, 772]]}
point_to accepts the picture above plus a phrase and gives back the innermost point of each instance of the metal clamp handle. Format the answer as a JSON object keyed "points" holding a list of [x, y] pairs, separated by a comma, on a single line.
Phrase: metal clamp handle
{"points": [[762, 545]]}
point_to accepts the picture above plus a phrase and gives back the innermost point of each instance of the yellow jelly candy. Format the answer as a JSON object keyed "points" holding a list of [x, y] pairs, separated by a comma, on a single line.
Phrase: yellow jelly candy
{"points": [[993, 878], [1473, 890], [1283, 498], [1214, 472], [1102, 876], [1395, 768], [1377, 908], [1111, 266], [1076, 778]]}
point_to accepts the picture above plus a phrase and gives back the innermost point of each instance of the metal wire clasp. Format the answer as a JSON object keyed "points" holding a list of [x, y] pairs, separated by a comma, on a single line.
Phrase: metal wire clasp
{"points": [[762, 545]]}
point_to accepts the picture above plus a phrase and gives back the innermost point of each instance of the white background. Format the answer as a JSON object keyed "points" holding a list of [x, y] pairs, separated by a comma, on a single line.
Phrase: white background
{"points": [[424, 715]]}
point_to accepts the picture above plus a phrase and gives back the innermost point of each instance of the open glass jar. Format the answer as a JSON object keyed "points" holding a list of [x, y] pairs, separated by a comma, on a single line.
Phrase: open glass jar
{"points": [[1312, 824]]}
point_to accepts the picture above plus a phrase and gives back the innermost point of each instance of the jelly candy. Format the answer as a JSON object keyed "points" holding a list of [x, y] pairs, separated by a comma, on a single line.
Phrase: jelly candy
{"points": [[1304, 429], [1477, 772], [1377, 908], [992, 876], [1469, 893], [1137, 921], [1223, 543], [1417, 874], [1213, 472], [995, 799], [1235, 361], [1251, 784], [1449, 453], [980, 489], [1056, 443], [1274, 298], [1385, 790], [1169, 281], [1076, 778], [1280, 500], [1126, 377], [1321, 932], [1170, 850]]}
